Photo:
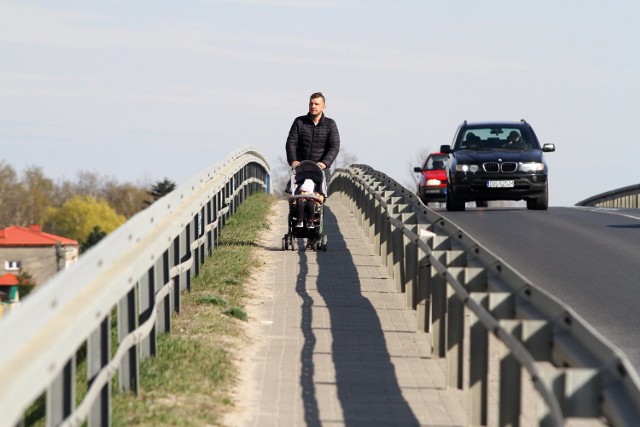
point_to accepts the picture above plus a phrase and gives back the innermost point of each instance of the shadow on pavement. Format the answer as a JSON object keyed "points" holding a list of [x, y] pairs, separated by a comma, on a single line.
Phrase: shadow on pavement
{"points": [[366, 382]]}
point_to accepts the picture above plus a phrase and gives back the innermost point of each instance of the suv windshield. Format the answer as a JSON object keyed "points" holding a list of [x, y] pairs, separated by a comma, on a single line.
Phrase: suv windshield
{"points": [[496, 137]]}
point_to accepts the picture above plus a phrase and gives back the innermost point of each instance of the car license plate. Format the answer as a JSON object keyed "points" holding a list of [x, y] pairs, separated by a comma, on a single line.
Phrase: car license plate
{"points": [[501, 184]]}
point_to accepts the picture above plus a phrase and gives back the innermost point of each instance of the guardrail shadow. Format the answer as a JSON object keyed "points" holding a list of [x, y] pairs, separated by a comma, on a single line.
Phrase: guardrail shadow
{"points": [[365, 379]]}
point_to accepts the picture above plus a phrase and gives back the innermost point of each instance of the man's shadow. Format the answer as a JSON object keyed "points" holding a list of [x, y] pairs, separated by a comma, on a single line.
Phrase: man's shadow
{"points": [[366, 382]]}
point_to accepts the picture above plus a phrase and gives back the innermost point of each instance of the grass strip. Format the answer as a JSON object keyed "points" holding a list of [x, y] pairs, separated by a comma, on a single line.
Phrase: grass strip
{"points": [[188, 383]]}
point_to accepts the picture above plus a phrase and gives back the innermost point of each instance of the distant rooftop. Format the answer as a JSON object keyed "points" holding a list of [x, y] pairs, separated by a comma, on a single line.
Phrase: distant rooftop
{"points": [[9, 279], [31, 236]]}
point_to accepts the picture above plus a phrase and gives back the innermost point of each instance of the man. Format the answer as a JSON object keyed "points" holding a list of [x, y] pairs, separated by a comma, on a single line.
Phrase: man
{"points": [[514, 140], [314, 136]]}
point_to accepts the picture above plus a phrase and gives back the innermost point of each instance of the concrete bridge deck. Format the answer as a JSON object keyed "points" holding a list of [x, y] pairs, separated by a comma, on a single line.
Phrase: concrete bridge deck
{"points": [[333, 344]]}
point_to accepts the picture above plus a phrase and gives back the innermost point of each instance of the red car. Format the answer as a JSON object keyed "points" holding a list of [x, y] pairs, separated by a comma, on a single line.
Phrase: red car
{"points": [[432, 186]]}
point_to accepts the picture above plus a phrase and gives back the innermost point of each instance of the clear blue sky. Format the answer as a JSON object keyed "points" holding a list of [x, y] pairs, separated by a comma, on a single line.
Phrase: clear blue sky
{"points": [[143, 90]]}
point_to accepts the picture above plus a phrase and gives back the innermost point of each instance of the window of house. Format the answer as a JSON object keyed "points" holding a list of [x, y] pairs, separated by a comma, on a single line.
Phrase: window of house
{"points": [[12, 265]]}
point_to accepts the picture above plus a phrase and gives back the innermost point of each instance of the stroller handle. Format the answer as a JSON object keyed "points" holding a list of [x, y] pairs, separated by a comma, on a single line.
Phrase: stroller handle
{"points": [[305, 196]]}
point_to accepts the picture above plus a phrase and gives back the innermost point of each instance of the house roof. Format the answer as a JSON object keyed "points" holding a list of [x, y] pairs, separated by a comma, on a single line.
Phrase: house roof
{"points": [[31, 236], [9, 279]]}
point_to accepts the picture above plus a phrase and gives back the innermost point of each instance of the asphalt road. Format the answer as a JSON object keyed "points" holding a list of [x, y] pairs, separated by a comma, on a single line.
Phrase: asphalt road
{"points": [[588, 258]]}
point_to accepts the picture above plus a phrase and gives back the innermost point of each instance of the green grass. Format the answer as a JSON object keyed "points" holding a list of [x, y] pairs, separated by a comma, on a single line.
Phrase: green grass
{"points": [[188, 383]]}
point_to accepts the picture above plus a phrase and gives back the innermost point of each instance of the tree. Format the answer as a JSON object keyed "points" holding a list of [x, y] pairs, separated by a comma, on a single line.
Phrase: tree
{"points": [[127, 199], [417, 160], [160, 189], [344, 160], [78, 216], [94, 237], [9, 195], [88, 183], [280, 176], [37, 191], [25, 283]]}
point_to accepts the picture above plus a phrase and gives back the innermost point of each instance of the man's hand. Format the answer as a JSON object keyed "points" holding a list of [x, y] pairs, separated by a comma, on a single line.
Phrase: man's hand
{"points": [[322, 165], [294, 164]]}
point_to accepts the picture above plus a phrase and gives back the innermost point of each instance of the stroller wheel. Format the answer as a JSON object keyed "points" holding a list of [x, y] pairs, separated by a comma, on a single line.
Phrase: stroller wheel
{"points": [[284, 244]]}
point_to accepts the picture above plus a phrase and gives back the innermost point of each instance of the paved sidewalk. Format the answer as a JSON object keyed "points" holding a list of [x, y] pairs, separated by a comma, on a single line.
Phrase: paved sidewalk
{"points": [[335, 345]]}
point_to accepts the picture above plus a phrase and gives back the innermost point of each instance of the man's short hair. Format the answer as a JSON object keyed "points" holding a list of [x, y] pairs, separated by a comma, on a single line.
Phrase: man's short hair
{"points": [[317, 95]]}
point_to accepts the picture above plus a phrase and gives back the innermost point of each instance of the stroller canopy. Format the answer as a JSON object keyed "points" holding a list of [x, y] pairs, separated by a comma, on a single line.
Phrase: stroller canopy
{"points": [[308, 169]]}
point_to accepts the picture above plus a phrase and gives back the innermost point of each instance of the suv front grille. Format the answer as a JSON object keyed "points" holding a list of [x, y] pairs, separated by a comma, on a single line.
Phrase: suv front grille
{"points": [[495, 167], [491, 167], [509, 167]]}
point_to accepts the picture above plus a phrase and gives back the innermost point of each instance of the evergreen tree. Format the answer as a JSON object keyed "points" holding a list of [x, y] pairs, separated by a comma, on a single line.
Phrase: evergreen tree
{"points": [[94, 237], [160, 189]]}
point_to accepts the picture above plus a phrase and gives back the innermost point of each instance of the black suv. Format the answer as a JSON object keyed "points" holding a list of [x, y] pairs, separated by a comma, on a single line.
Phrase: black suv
{"points": [[496, 161]]}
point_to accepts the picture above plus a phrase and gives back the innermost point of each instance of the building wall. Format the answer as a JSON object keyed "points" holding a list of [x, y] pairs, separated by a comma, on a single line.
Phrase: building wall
{"points": [[40, 262]]}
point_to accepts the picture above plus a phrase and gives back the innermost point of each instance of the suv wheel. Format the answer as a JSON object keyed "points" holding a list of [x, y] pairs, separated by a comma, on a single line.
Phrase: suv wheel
{"points": [[454, 203], [539, 203]]}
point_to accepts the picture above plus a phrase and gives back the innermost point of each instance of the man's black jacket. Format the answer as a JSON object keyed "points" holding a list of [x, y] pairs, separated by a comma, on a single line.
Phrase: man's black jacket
{"points": [[307, 141]]}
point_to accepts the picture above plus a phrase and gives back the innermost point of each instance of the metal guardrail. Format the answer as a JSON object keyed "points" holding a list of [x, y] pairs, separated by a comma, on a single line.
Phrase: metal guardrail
{"points": [[626, 197], [137, 272], [462, 292]]}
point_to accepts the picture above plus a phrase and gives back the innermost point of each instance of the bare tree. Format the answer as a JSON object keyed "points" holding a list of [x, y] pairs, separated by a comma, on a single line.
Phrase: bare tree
{"points": [[280, 175], [10, 189], [127, 199], [37, 195], [344, 160], [418, 160], [88, 183]]}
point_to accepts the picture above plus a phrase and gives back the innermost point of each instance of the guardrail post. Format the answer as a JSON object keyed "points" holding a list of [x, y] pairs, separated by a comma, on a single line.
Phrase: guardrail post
{"points": [[163, 321], [361, 202], [174, 256], [410, 261], [195, 251], [231, 196], [385, 233], [242, 173], [210, 218], [423, 291], [379, 220], [201, 232], [129, 372], [147, 289], [438, 287], [387, 245], [185, 245], [575, 388], [98, 354], [217, 205], [61, 395], [510, 394], [581, 397], [370, 218], [455, 332], [478, 367], [397, 252]]}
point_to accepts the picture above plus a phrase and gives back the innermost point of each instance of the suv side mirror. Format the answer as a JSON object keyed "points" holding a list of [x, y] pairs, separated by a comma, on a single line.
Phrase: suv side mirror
{"points": [[417, 169], [548, 148], [445, 149]]}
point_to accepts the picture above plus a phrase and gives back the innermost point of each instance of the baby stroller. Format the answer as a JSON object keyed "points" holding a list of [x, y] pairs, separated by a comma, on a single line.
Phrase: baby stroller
{"points": [[308, 188]]}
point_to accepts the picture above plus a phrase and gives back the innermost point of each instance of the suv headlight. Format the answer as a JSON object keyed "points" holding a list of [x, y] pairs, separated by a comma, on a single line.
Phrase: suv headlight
{"points": [[463, 167], [531, 167]]}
